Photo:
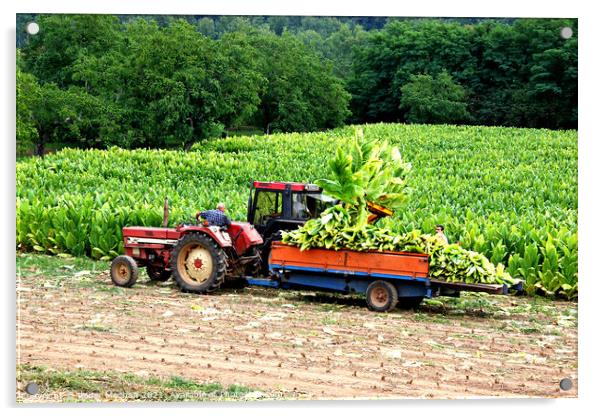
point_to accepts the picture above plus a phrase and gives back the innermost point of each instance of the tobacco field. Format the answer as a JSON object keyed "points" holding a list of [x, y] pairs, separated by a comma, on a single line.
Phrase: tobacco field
{"points": [[508, 193]]}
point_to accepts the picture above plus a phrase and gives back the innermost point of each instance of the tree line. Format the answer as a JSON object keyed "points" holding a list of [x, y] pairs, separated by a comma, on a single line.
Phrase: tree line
{"points": [[161, 81]]}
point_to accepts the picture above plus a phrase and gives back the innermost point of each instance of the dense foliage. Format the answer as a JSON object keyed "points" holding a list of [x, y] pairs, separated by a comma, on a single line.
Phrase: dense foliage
{"points": [[25, 128], [342, 227], [164, 81], [369, 171], [169, 86], [508, 193], [522, 74], [435, 100]]}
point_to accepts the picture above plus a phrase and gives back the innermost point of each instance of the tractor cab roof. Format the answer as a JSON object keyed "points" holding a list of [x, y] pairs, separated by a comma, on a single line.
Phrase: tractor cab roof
{"points": [[293, 186]]}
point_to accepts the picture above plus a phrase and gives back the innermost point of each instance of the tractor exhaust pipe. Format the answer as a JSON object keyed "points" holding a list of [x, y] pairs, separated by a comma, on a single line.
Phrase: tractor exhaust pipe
{"points": [[165, 213]]}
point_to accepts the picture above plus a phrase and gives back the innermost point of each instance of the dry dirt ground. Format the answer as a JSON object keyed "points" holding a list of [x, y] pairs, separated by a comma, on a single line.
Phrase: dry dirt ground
{"points": [[290, 344]]}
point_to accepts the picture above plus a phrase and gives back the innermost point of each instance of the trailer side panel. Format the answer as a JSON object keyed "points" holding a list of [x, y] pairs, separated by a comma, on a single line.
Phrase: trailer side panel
{"points": [[369, 263]]}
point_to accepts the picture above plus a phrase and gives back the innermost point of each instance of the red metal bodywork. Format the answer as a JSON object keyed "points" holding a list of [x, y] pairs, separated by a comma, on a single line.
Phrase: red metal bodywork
{"points": [[281, 186], [155, 243], [371, 262], [243, 236]]}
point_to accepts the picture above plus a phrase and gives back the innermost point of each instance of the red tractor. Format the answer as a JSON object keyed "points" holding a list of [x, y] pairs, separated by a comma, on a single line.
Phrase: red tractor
{"points": [[201, 257]]}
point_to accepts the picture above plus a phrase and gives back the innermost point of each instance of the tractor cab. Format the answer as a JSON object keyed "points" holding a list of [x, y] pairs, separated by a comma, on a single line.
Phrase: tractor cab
{"points": [[276, 206], [282, 206]]}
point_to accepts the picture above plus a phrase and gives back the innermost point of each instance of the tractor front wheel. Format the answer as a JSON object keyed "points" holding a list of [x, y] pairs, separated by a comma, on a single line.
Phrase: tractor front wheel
{"points": [[198, 264], [381, 296], [124, 271]]}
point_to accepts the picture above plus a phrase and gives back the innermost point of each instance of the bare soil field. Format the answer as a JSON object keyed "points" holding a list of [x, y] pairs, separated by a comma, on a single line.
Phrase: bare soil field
{"points": [[288, 344]]}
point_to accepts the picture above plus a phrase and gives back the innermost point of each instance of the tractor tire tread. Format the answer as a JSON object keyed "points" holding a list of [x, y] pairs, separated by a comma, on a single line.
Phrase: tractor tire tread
{"points": [[133, 266], [220, 263], [392, 292]]}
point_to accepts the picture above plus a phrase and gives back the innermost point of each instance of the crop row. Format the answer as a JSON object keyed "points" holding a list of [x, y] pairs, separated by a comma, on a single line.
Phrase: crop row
{"points": [[508, 193]]}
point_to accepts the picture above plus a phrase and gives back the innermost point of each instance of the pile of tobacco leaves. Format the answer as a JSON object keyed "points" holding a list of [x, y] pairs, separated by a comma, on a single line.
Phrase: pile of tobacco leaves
{"points": [[370, 171]]}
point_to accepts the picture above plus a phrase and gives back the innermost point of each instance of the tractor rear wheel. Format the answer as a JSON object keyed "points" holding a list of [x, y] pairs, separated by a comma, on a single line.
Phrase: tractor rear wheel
{"points": [[198, 264], [124, 271], [158, 274], [381, 296]]}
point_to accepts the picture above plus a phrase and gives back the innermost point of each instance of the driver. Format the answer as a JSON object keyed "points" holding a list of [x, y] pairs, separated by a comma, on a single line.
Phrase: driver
{"points": [[299, 208], [215, 216]]}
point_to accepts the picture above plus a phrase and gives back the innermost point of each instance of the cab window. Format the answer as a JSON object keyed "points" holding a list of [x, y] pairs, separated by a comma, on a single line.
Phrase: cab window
{"points": [[300, 209], [268, 205]]}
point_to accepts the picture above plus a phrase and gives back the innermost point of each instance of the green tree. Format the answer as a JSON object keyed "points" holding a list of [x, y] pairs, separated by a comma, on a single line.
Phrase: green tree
{"points": [[401, 49], [301, 92], [67, 117], [517, 72], [206, 26], [280, 24], [336, 45], [47, 114], [52, 105], [174, 85], [550, 96], [51, 54], [434, 100], [323, 25], [25, 126], [527, 74], [229, 24], [22, 20], [341, 46]]}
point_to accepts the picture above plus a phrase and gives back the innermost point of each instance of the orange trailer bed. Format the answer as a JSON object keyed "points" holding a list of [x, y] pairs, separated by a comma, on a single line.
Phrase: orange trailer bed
{"points": [[372, 263], [385, 277]]}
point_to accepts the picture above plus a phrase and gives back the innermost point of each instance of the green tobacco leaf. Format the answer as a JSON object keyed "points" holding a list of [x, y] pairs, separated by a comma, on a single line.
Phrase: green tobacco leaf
{"points": [[485, 184]]}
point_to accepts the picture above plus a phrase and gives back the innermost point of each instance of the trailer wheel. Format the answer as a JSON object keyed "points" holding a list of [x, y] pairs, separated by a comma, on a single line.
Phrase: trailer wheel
{"points": [[410, 302], [198, 264], [124, 271], [157, 274], [381, 296]]}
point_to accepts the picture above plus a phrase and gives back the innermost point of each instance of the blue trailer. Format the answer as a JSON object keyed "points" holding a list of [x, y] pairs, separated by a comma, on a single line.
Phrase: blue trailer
{"points": [[388, 279]]}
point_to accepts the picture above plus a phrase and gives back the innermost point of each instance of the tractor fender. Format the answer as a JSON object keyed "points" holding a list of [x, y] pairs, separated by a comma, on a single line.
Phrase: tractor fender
{"points": [[222, 238], [244, 236]]}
